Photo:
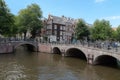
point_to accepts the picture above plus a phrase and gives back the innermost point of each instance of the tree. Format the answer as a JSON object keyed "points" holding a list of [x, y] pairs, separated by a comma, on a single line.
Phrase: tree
{"points": [[81, 30], [6, 20], [114, 35], [101, 30], [118, 33], [29, 19]]}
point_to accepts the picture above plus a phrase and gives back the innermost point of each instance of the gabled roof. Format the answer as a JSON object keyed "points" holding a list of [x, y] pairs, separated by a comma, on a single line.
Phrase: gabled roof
{"points": [[62, 20], [57, 19]]}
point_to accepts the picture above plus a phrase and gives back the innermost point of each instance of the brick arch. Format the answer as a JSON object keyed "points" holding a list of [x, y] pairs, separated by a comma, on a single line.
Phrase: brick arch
{"points": [[75, 52], [56, 50], [106, 60], [30, 46]]}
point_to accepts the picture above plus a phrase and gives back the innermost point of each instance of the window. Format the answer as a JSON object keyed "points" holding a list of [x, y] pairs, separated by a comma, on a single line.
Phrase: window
{"points": [[49, 27], [55, 32], [61, 27], [60, 32], [49, 32], [63, 33], [55, 26], [61, 38]]}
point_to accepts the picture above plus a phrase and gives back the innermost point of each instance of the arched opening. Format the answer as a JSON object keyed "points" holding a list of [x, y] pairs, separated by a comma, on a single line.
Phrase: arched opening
{"points": [[74, 52], [106, 60], [27, 47], [30, 47], [56, 50]]}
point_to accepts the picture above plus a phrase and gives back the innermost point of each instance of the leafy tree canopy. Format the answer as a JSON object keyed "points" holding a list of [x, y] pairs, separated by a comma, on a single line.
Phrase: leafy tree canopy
{"points": [[81, 30], [6, 20], [29, 19], [101, 30], [118, 33]]}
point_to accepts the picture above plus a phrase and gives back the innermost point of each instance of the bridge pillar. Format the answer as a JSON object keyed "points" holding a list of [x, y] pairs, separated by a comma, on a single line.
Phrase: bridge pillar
{"points": [[90, 58], [63, 52]]}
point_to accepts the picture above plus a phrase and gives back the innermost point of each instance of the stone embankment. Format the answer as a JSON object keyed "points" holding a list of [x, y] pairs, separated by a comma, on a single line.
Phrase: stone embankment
{"points": [[46, 48], [6, 48]]}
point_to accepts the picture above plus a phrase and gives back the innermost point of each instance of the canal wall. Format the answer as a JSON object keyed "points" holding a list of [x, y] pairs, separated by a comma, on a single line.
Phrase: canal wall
{"points": [[46, 48], [6, 48]]}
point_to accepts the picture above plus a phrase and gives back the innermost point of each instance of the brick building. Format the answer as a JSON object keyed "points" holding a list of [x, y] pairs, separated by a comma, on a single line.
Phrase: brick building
{"points": [[59, 29]]}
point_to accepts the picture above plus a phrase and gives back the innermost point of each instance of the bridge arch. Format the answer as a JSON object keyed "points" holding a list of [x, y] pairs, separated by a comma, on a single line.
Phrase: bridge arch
{"points": [[106, 60], [30, 46], [75, 52], [56, 50]]}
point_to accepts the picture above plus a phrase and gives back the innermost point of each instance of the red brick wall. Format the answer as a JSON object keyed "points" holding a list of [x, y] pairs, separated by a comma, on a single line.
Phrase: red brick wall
{"points": [[44, 48]]}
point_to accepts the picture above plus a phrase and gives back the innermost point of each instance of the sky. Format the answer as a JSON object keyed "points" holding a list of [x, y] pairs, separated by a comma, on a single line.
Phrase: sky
{"points": [[89, 10]]}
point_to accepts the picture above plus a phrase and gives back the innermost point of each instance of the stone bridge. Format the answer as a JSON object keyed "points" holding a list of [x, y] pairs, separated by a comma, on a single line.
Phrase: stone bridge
{"points": [[9, 47], [31, 45], [90, 54]]}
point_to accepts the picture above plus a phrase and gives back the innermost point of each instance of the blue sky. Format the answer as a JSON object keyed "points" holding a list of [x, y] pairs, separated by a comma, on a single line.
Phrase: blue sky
{"points": [[89, 10]]}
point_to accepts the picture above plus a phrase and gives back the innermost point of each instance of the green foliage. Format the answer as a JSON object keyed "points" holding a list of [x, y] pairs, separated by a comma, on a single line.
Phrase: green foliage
{"points": [[118, 33], [101, 30], [114, 35], [6, 20], [81, 30], [29, 19]]}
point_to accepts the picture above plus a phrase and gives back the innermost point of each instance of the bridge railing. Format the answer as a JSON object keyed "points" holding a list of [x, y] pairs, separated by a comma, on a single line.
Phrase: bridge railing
{"points": [[6, 40]]}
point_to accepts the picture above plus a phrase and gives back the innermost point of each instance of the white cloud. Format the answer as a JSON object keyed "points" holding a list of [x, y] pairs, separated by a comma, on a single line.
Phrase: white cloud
{"points": [[112, 18], [99, 1]]}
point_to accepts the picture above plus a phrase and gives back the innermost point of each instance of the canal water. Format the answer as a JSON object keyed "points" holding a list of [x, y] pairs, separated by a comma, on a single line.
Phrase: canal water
{"points": [[23, 65]]}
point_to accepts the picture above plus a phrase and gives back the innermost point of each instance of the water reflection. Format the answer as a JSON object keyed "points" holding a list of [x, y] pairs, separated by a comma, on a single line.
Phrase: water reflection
{"points": [[78, 69], [107, 73], [9, 69]]}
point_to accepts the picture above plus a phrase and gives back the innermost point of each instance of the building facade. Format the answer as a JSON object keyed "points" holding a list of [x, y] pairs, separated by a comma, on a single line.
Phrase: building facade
{"points": [[59, 29]]}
